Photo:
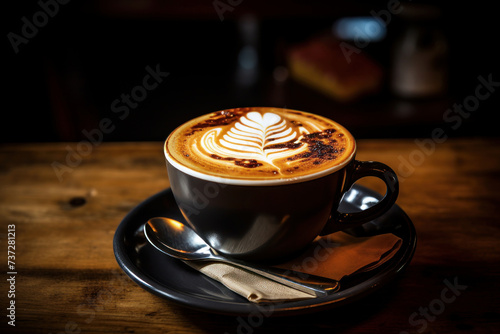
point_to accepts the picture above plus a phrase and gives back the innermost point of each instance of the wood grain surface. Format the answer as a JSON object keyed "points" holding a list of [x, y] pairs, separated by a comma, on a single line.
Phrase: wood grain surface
{"points": [[68, 280]]}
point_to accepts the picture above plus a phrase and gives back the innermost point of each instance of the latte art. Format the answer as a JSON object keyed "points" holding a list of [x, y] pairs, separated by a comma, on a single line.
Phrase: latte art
{"points": [[253, 137], [259, 143]]}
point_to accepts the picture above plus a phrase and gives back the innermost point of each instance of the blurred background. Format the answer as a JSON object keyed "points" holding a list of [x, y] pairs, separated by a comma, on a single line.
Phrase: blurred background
{"points": [[383, 69]]}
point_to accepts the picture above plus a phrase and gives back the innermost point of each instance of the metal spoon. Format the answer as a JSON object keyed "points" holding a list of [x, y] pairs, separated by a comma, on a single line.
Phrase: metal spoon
{"points": [[180, 241]]}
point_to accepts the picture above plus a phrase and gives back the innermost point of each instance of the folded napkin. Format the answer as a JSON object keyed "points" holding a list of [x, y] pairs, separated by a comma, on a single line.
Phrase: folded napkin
{"points": [[333, 256]]}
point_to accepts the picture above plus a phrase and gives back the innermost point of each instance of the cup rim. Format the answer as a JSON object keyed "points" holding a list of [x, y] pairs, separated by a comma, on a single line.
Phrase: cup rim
{"points": [[256, 181], [259, 182]]}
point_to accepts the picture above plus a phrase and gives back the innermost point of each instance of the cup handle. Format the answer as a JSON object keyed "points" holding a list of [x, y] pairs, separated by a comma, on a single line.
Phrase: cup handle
{"points": [[340, 221]]}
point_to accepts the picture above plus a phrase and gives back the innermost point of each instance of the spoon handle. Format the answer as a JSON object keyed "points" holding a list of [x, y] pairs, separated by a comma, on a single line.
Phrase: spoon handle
{"points": [[311, 284]]}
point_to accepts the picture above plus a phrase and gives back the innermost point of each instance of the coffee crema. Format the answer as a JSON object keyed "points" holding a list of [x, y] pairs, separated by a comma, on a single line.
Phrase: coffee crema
{"points": [[260, 143]]}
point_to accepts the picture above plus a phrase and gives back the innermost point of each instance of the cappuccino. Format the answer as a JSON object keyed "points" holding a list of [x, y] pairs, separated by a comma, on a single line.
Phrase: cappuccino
{"points": [[259, 143]]}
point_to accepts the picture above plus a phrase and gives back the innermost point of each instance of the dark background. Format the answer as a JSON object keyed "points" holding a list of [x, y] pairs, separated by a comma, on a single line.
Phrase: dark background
{"points": [[65, 78]]}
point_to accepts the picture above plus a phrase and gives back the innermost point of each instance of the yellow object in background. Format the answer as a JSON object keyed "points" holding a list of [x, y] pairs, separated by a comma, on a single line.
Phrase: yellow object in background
{"points": [[321, 64]]}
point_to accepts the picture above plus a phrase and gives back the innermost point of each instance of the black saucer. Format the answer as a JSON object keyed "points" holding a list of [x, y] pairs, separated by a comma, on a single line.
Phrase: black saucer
{"points": [[172, 279]]}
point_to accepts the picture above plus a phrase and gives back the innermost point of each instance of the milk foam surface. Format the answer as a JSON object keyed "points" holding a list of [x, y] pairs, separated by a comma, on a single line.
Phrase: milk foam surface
{"points": [[260, 143]]}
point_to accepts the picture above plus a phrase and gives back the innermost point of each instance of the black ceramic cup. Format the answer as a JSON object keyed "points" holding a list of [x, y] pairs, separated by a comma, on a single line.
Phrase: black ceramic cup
{"points": [[272, 220]]}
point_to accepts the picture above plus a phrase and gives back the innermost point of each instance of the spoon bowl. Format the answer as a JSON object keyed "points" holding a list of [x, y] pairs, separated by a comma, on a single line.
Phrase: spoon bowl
{"points": [[176, 239]]}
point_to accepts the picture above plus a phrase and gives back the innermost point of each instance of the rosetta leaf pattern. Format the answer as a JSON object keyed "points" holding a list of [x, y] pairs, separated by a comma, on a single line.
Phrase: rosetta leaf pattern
{"points": [[254, 136]]}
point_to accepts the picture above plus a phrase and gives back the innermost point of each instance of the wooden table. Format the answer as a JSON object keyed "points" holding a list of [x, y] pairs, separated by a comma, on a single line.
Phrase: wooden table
{"points": [[68, 281]]}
